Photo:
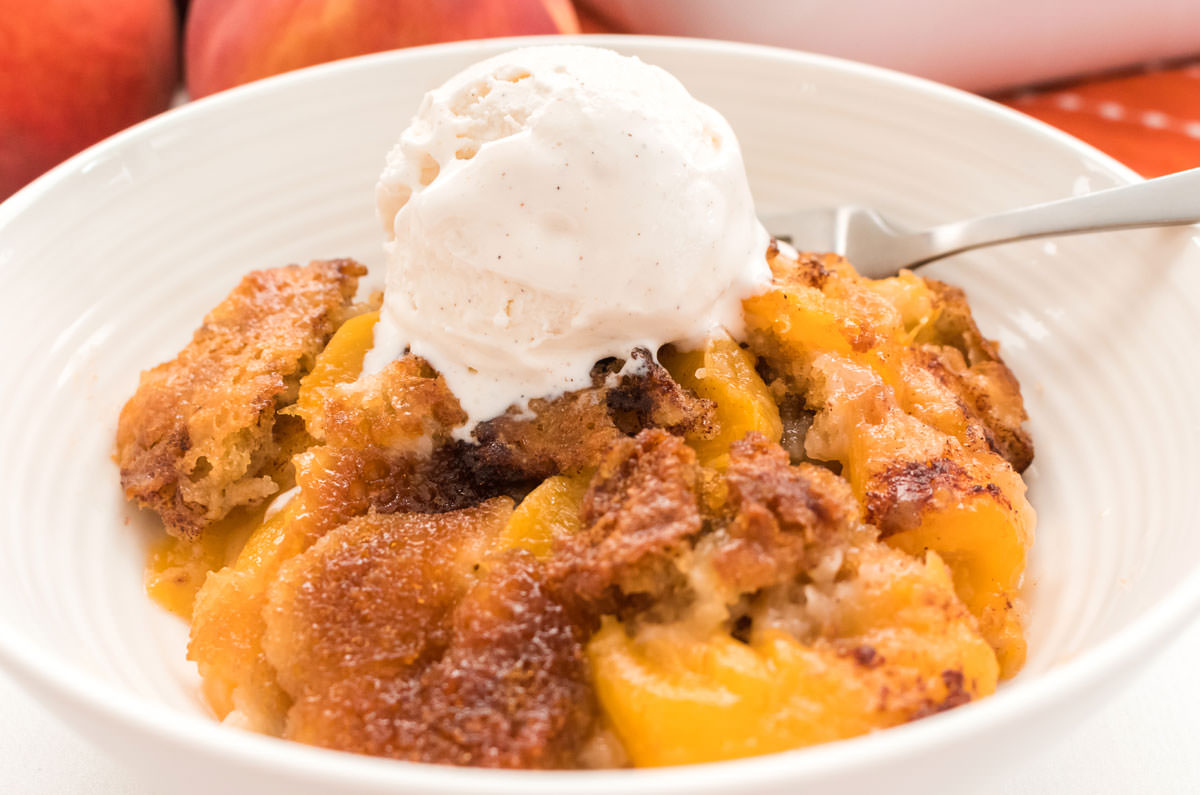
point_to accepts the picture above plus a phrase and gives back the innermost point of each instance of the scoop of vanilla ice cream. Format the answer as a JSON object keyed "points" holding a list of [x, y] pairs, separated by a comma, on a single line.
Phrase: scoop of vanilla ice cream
{"points": [[553, 206]]}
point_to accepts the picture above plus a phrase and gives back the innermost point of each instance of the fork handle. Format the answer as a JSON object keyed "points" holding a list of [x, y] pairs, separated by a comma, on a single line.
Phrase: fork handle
{"points": [[1164, 201]]}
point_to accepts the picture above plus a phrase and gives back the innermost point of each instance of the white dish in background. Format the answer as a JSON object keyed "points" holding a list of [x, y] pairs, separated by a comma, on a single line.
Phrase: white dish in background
{"points": [[972, 45], [108, 263]]}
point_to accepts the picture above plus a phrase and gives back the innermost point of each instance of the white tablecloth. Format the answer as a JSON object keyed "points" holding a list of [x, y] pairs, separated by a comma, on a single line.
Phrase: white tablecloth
{"points": [[1145, 740]]}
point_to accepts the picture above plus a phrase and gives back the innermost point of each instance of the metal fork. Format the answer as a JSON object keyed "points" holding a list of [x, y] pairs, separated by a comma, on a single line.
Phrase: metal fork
{"points": [[878, 247]]}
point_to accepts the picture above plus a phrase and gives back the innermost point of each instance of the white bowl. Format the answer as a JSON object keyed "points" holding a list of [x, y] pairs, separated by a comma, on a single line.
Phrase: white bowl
{"points": [[109, 262], [977, 46]]}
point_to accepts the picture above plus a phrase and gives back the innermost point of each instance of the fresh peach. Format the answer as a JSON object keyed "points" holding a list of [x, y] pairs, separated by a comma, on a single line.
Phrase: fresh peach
{"points": [[75, 71], [229, 42]]}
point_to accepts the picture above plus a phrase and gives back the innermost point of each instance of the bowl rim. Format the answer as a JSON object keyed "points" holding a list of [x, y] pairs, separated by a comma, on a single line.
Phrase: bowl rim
{"points": [[48, 674]]}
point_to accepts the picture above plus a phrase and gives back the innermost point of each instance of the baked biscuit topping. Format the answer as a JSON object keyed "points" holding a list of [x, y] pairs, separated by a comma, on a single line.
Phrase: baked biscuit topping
{"points": [[708, 553], [201, 435]]}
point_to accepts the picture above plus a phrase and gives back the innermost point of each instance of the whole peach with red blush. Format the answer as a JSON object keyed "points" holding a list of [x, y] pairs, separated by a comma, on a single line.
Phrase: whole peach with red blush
{"points": [[229, 42], [75, 71]]}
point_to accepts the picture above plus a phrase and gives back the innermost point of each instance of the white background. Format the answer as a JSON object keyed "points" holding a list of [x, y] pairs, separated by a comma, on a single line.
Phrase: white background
{"points": [[1146, 739]]}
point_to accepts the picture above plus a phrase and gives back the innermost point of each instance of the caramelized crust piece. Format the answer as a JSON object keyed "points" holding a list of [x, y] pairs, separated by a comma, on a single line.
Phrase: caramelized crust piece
{"points": [[904, 493], [393, 645], [513, 690], [651, 398], [338, 484], [568, 434], [335, 486], [640, 511], [971, 367], [346, 482], [195, 439], [786, 516], [955, 326], [404, 408], [575, 432], [373, 597]]}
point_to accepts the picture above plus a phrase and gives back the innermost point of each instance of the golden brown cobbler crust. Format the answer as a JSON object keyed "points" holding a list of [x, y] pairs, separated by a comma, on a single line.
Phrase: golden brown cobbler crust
{"points": [[401, 627], [195, 439]]}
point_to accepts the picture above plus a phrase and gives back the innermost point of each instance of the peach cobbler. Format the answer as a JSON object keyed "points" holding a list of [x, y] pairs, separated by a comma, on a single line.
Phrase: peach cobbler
{"points": [[804, 524]]}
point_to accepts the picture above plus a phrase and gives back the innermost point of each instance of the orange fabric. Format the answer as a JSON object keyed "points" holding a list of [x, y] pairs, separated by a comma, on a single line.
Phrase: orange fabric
{"points": [[1149, 120]]}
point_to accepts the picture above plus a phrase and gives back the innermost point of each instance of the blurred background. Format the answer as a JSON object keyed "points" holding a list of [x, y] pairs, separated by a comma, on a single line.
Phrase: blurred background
{"points": [[1120, 74]]}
